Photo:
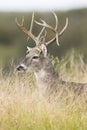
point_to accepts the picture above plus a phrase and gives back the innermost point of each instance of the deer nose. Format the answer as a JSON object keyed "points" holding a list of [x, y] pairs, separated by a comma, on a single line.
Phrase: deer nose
{"points": [[20, 68]]}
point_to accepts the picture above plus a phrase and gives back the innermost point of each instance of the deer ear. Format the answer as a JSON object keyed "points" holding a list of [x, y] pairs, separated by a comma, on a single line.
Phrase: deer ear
{"points": [[44, 50], [28, 49]]}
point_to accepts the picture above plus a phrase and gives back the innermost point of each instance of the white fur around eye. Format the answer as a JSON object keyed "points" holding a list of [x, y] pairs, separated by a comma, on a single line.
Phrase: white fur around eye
{"points": [[35, 58]]}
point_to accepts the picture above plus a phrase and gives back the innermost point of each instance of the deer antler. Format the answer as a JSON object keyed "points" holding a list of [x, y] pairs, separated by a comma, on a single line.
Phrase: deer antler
{"points": [[29, 32], [55, 30], [38, 39]]}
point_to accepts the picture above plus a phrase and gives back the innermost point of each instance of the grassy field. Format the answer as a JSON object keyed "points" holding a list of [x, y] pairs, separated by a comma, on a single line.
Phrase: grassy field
{"points": [[21, 107]]}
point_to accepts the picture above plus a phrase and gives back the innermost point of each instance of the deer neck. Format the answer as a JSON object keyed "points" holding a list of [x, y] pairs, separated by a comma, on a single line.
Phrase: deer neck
{"points": [[46, 76]]}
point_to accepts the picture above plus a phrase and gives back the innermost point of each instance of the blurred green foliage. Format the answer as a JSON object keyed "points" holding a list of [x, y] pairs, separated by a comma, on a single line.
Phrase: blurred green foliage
{"points": [[13, 42]]}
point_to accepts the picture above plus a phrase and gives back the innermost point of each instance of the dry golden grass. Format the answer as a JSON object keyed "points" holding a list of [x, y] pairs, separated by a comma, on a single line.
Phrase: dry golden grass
{"points": [[21, 107]]}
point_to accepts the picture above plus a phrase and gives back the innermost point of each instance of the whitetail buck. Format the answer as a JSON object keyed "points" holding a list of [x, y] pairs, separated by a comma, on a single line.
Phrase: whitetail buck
{"points": [[38, 61]]}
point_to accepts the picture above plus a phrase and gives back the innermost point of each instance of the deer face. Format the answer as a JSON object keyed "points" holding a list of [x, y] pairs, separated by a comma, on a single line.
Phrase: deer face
{"points": [[34, 59]]}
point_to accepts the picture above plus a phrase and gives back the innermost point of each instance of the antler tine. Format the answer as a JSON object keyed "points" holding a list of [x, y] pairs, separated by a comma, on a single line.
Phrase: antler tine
{"points": [[44, 24], [28, 32], [31, 26], [56, 28], [42, 39], [56, 19], [51, 41], [38, 37], [22, 23], [66, 24]]}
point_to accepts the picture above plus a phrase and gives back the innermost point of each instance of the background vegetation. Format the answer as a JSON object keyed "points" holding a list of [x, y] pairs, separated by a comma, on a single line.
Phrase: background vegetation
{"points": [[13, 42]]}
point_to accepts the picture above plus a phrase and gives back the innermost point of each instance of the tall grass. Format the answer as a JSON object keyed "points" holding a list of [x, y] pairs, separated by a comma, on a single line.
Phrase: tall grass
{"points": [[21, 107]]}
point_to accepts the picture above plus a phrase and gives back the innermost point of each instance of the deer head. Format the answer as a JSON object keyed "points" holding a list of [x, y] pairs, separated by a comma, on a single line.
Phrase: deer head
{"points": [[37, 56]]}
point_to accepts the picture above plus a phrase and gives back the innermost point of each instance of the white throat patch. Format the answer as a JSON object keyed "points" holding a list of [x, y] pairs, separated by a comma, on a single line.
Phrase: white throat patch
{"points": [[40, 74]]}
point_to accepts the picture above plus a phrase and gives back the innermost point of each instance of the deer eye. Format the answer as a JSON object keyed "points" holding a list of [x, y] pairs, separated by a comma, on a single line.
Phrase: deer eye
{"points": [[35, 57]]}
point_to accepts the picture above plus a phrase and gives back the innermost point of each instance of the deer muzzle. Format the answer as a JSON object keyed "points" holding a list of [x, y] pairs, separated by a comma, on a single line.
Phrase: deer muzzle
{"points": [[21, 67]]}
